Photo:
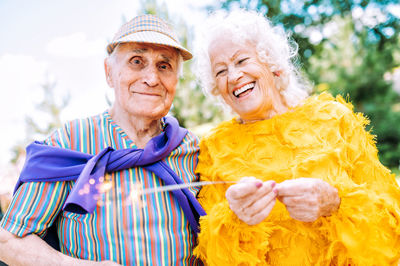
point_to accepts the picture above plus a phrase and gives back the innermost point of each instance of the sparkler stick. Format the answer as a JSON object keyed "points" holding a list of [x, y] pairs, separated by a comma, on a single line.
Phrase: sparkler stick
{"points": [[180, 186]]}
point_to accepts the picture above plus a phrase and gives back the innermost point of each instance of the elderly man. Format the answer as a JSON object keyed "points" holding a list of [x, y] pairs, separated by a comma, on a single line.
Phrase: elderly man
{"points": [[84, 180]]}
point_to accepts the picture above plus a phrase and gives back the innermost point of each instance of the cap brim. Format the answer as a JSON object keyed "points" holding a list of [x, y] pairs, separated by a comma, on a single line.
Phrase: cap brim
{"points": [[150, 37]]}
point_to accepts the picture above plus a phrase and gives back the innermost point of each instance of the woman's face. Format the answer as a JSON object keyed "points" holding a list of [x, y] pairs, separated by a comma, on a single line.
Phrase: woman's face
{"points": [[245, 83]]}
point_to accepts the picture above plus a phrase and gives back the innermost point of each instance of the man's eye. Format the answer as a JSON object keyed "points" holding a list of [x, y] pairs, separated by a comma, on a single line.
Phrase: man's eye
{"points": [[136, 61], [164, 66]]}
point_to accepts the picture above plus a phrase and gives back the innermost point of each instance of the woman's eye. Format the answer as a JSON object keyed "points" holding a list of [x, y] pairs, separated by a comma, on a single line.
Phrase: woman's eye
{"points": [[220, 72], [242, 60]]}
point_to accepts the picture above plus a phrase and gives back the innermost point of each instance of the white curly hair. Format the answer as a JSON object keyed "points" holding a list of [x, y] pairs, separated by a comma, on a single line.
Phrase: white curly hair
{"points": [[273, 46]]}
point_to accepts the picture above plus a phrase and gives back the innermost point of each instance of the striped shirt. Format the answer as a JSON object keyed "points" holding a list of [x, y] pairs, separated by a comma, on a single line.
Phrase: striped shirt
{"points": [[151, 230]]}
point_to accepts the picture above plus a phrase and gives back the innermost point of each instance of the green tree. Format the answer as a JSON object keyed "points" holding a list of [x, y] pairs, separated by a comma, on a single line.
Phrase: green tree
{"points": [[352, 60]]}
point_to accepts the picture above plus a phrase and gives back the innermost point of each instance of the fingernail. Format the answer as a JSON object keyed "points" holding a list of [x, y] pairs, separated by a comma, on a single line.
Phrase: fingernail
{"points": [[275, 190], [273, 184], [259, 184]]}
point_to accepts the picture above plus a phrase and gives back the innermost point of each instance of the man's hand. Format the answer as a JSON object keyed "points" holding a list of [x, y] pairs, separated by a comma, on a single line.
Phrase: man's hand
{"points": [[32, 250], [251, 199], [5, 200], [307, 199]]}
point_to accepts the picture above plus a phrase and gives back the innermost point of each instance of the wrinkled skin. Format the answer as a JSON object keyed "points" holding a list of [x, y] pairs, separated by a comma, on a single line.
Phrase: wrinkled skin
{"points": [[252, 199], [306, 199]]}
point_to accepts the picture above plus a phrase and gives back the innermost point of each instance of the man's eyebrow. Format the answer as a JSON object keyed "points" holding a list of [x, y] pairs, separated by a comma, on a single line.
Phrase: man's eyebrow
{"points": [[140, 51], [166, 58]]}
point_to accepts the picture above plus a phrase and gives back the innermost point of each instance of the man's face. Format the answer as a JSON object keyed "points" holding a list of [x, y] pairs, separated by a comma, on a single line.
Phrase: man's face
{"points": [[144, 78]]}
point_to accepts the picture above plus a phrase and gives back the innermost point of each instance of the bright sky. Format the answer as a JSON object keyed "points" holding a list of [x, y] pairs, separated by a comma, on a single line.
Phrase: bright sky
{"points": [[63, 41]]}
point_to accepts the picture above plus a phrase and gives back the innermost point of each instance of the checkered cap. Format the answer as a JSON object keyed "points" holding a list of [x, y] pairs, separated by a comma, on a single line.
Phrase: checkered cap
{"points": [[148, 29]]}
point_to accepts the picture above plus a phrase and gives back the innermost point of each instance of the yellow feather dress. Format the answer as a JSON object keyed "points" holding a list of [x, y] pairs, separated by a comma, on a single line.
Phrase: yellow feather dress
{"points": [[323, 138]]}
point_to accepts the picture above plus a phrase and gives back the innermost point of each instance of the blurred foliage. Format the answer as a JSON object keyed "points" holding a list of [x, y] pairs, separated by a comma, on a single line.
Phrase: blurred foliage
{"points": [[49, 106], [346, 47], [50, 109], [356, 68]]}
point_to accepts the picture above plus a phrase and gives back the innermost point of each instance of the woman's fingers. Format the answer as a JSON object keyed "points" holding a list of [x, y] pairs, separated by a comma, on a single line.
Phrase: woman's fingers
{"points": [[245, 194], [263, 213], [260, 196], [252, 200], [261, 203], [246, 186]]}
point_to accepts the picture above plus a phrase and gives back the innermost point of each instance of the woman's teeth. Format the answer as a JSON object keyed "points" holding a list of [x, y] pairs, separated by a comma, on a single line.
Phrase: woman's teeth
{"points": [[243, 89]]}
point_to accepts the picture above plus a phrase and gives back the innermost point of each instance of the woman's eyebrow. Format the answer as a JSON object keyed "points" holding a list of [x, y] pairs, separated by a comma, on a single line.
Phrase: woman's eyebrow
{"points": [[236, 54]]}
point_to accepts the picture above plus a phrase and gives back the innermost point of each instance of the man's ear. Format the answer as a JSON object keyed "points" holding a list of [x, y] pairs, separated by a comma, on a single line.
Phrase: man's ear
{"points": [[107, 69]]}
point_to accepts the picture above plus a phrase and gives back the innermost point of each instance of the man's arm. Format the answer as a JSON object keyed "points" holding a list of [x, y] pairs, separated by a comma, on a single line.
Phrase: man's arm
{"points": [[32, 250]]}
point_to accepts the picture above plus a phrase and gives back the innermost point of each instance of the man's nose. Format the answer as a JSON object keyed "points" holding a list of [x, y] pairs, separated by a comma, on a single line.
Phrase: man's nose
{"points": [[151, 77], [234, 74]]}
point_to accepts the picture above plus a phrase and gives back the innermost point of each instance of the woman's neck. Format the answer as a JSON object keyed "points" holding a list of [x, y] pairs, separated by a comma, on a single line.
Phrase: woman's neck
{"points": [[278, 106]]}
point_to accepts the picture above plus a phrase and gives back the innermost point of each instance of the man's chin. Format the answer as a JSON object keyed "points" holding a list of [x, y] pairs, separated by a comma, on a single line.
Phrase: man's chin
{"points": [[153, 114]]}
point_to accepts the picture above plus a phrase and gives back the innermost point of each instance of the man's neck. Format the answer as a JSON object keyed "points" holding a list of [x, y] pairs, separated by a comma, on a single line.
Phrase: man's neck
{"points": [[139, 129]]}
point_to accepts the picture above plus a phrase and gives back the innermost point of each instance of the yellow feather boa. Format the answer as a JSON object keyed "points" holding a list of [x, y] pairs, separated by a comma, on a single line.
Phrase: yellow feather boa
{"points": [[323, 138]]}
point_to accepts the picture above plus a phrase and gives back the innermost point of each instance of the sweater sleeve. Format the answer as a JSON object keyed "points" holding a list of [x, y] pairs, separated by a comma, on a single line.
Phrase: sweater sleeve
{"points": [[366, 228], [221, 230]]}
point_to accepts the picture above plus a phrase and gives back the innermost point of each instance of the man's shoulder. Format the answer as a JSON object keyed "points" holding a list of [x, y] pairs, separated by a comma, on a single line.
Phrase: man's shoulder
{"points": [[188, 147], [191, 137], [75, 129], [81, 122]]}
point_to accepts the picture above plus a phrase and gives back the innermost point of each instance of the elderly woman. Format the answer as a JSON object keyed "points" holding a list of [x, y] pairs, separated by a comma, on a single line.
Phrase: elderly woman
{"points": [[309, 188]]}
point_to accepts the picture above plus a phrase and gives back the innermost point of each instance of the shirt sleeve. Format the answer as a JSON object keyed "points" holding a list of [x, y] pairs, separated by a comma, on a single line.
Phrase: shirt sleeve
{"points": [[35, 205], [34, 208]]}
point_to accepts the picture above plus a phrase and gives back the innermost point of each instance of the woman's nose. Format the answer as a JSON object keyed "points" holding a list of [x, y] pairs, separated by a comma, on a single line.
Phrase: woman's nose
{"points": [[234, 74]]}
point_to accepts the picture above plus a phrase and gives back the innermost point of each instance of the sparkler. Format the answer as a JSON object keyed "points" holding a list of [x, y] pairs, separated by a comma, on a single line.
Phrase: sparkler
{"points": [[137, 193], [181, 186]]}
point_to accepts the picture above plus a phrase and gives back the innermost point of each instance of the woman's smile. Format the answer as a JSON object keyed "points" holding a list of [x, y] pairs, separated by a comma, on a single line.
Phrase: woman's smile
{"points": [[244, 90]]}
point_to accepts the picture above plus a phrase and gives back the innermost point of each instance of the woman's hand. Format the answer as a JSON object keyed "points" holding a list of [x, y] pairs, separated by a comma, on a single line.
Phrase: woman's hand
{"points": [[307, 199], [251, 199]]}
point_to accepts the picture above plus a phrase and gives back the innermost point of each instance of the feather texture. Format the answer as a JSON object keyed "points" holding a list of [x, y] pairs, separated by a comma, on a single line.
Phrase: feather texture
{"points": [[323, 138]]}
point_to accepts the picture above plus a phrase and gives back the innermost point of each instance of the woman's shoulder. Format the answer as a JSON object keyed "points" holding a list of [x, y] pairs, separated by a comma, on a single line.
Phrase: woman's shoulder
{"points": [[221, 132], [324, 106], [222, 128]]}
